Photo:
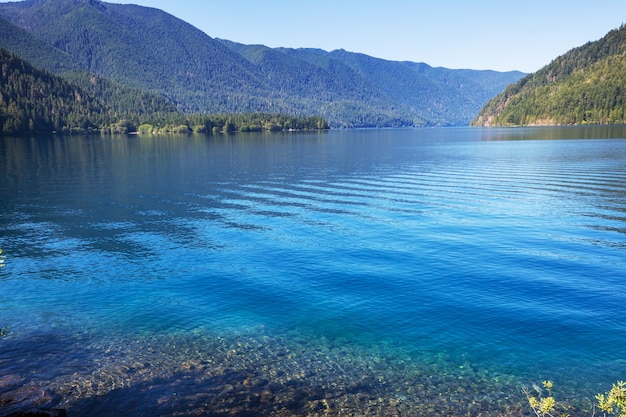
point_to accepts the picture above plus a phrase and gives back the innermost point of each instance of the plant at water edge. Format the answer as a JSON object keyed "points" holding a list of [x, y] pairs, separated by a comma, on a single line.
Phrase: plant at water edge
{"points": [[612, 403], [542, 405]]}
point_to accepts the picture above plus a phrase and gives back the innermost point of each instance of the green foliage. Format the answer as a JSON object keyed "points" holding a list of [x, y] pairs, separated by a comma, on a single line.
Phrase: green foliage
{"points": [[584, 86], [145, 129], [612, 403], [229, 123], [122, 101], [542, 404]]}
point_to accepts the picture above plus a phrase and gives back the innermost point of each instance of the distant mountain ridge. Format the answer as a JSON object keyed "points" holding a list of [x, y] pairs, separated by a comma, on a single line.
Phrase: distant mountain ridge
{"points": [[198, 73], [587, 85]]}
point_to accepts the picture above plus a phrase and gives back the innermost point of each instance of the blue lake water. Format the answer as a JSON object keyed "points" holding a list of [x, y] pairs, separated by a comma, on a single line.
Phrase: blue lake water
{"points": [[366, 272]]}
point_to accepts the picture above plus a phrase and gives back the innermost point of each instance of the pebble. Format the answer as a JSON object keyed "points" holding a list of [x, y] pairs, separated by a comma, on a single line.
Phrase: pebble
{"points": [[256, 374]]}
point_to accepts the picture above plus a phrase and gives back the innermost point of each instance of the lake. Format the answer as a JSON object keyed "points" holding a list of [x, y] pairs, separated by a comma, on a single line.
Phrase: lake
{"points": [[359, 272]]}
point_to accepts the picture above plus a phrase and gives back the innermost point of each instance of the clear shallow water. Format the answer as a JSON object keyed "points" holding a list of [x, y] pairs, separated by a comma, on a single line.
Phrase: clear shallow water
{"points": [[347, 273]]}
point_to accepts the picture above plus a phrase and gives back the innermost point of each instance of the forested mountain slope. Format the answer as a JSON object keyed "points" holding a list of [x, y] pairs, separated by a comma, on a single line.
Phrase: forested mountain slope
{"points": [[36, 101], [440, 94], [143, 48], [123, 101], [197, 73], [326, 86], [34, 50], [33, 101], [401, 92], [587, 85]]}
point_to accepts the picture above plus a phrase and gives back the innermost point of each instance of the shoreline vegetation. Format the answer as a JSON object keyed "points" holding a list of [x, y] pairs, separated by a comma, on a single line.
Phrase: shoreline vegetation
{"points": [[225, 123], [543, 404], [207, 124]]}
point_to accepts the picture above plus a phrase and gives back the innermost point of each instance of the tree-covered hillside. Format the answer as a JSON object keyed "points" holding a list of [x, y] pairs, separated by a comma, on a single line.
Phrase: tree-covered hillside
{"points": [[385, 93], [123, 102], [446, 97], [143, 48], [320, 84], [35, 101], [197, 73], [587, 85], [34, 50]]}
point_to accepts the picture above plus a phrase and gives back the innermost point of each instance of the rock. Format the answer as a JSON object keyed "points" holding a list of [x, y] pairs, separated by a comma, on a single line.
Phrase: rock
{"points": [[25, 396]]}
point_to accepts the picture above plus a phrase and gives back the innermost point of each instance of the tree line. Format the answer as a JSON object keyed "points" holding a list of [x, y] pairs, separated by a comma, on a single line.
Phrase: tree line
{"points": [[228, 123], [34, 101]]}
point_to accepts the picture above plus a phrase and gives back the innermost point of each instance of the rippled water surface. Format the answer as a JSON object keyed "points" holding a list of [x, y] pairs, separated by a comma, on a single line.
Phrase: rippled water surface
{"points": [[382, 272]]}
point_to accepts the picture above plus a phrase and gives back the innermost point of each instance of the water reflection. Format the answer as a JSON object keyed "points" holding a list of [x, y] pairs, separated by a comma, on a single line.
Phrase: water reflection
{"points": [[554, 133]]}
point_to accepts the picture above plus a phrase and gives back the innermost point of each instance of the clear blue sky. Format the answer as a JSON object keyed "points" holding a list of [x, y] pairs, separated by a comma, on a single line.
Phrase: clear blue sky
{"points": [[489, 34]]}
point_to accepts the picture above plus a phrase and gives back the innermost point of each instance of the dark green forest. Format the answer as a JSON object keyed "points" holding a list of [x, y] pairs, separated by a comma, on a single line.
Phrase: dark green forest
{"points": [[587, 85], [35, 101]]}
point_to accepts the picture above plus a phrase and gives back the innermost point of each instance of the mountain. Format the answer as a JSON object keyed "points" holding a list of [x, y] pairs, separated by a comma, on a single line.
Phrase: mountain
{"points": [[587, 85], [123, 101], [143, 48], [312, 81], [401, 93], [198, 73], [447, 97]]}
